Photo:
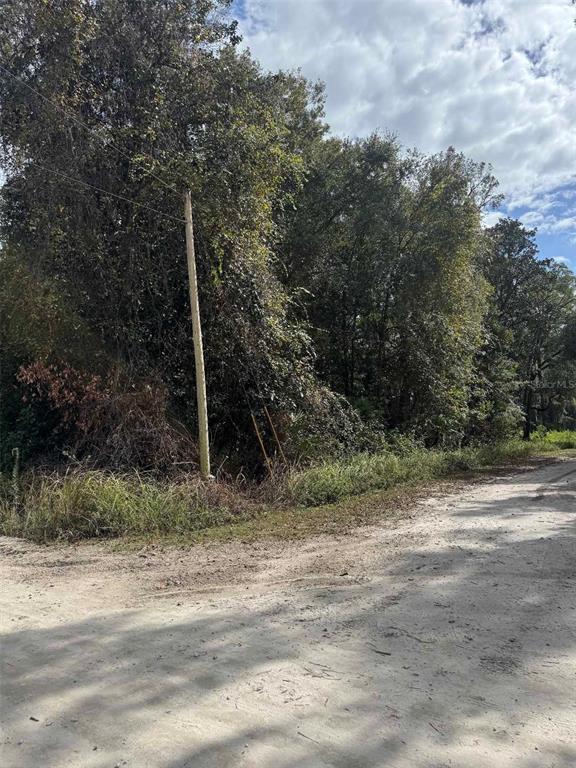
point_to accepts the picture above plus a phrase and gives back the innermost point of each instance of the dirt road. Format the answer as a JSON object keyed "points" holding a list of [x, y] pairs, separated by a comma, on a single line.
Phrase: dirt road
{"points": [[446, 639]]}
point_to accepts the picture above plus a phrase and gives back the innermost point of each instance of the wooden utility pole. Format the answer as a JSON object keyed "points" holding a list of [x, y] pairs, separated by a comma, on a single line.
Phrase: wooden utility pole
{"points": [[203, 443]]}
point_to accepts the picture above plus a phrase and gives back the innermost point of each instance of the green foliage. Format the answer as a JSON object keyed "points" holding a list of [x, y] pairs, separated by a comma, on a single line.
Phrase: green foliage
{"points": [[36, 324], [562, 439], [89, 504], [336, 479], [164, 84], [386, 245], [531, 313]]}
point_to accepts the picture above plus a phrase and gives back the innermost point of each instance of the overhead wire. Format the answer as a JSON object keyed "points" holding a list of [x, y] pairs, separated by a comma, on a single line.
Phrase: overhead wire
{"points": [[120, 151], [105, 191], [53, 15], [77, 120]]}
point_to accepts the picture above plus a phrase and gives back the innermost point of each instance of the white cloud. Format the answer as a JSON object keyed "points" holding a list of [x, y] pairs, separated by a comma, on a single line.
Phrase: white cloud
{"points": [[490, 218], [494, 78]]}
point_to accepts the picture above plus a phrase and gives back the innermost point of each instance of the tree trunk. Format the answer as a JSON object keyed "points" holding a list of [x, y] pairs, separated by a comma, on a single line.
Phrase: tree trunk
{"points": [[528, 396]]}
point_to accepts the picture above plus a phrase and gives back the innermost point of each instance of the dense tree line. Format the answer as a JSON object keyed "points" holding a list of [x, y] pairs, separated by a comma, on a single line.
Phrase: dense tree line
{"points": [[348, 288]]}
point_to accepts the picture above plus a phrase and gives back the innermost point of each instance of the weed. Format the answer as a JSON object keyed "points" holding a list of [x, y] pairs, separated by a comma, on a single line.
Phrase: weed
{"points": [[334, 480]]}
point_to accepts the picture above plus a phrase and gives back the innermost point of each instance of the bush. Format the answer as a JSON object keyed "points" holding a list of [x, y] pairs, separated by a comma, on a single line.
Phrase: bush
{"points": [[118, 423]]}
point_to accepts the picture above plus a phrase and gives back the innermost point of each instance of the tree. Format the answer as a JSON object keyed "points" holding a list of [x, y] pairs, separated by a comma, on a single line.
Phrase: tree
{"points": [[143, 99], [386, 244], [533, 300]]}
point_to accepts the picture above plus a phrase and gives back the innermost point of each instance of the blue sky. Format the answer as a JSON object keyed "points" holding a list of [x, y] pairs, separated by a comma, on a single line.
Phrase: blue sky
{"points": [[494, 78], [558, 247]]}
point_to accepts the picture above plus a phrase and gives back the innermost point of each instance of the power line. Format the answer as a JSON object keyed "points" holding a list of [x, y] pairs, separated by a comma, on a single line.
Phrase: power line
{"points": [[106, 192], [53, 15], [77, 120]]}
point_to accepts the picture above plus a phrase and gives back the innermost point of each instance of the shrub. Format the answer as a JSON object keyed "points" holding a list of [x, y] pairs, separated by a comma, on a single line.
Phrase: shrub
{"points": [[116, 423]]}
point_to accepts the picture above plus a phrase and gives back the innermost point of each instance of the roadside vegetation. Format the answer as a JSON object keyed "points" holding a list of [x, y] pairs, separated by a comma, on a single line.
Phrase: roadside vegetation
{"points": [[96, 504], [363, 330]]}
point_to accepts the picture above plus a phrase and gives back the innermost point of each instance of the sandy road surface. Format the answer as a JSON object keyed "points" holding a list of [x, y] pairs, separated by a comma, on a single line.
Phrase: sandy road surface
{"points": [[448, 639]]}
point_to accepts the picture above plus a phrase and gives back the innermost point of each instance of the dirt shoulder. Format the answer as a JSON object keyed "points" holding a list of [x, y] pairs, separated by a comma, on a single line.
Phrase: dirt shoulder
{"points": [[266, 550]]}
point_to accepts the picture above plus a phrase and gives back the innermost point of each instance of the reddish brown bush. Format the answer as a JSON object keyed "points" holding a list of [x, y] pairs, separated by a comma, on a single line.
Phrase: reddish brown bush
{"points": [[117, 423], [72, 394], [132, 429]]}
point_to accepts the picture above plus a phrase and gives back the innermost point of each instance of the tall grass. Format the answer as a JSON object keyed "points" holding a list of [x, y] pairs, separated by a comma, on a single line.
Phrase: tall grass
{"points": [[556, 439], [334, 480], [98, 504], [89, 504]]}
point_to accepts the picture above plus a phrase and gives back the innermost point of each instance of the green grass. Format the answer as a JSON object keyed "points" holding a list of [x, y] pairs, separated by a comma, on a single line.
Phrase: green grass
{"points": [[335, 480], [98, 504], [556, 440], [95, 504]]}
